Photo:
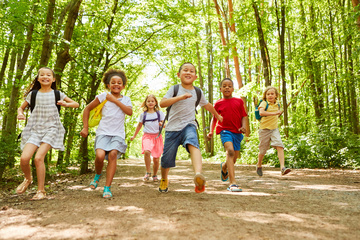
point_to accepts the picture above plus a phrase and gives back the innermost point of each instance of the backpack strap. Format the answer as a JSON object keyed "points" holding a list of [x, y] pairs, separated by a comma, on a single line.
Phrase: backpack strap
{"points": [[57, 98], [158, 115], [198, 97], [144, 118], [33, 99]]}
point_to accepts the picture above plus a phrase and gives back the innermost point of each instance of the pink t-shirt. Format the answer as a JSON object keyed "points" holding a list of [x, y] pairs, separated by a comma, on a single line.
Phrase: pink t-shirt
{"points": [[232, 110]]}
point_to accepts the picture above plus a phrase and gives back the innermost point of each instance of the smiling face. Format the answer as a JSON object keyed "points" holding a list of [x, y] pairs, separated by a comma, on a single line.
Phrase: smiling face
{"points": [[271, 96], [227, 88], [116, 85], [45, 77], [151, 103], [187, 74]]}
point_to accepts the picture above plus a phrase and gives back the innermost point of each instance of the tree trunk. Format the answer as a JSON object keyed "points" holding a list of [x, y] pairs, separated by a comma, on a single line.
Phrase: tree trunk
{"points": [[281, 31], [9, 135], [6, 58], [263, 48], [357, 9], [46, 51], [63, 55], [223, 40]]}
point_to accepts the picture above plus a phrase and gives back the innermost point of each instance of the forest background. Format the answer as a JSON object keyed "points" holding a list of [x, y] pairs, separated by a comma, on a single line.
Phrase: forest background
{"points": [[308, 49]]}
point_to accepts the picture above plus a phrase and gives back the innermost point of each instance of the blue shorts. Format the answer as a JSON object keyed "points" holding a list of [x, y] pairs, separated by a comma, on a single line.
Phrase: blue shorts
{"points": [[235, 138], [173, 139]]}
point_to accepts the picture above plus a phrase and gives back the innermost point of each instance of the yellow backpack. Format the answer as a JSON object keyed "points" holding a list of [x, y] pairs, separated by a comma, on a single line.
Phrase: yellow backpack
{"points": [[95, 115]]}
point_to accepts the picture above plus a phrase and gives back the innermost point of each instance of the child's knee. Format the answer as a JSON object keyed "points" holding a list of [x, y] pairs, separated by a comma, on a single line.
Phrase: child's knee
{"points": [[112, 155], [147, 152], [38, 161], [230, 152]]}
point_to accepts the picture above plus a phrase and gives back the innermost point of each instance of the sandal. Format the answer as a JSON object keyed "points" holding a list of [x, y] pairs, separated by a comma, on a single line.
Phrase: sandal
{"points": [[224, 176], [94, 183], [147, 176], [40, 194], [107, 193], [234, 188], [155, 178], [23, 186], [199, 181]]}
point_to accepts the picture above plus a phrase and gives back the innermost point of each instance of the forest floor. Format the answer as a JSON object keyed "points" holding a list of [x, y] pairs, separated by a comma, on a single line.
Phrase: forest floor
{"points": [[305, 204]]}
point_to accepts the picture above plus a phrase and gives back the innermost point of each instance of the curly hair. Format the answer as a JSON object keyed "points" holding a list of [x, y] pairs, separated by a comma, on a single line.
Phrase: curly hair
{"points": [[145, 108], [269, 88], [226, 79], [113, 72]]}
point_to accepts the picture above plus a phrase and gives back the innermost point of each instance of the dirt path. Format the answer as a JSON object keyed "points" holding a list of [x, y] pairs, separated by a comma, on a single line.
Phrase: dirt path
{"points": [[306, 204]]}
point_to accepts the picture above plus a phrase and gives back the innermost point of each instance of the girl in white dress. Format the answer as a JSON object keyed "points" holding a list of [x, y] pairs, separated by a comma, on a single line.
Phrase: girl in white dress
{"points": [[43, 130], [110, 134]]}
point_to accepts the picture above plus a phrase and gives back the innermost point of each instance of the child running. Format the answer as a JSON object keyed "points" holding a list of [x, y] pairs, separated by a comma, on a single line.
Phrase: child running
{"points": [[110, 134], [269, 110], [44, 129], [152, 118], [181, 128], [230, 129]]}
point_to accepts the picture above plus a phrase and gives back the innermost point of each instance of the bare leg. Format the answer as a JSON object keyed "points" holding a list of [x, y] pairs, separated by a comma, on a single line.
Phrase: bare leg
{"points": [[99, 160], [196, 158], [111, 167], [260, 158], [164, 173], [231, 157], [26, 155], [280, 152], [147, 159], [40, 165], [155, 166]]}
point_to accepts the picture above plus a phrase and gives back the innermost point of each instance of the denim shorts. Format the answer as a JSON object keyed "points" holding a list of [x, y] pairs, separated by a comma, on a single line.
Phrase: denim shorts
{"points": [[235, 138], [173, 139]]}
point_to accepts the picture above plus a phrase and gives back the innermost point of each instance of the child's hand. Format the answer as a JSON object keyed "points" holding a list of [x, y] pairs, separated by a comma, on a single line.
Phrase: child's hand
{"points": [[132, 138], [185, 96], [242, 129], [161, 123], [62, 103], [84, 132], [219, 118], [210, 134], [111, 98], [21, 116]]}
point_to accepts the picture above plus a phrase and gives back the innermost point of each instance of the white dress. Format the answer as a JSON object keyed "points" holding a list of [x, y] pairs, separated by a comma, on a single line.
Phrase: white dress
{"points": [[44, 125]]}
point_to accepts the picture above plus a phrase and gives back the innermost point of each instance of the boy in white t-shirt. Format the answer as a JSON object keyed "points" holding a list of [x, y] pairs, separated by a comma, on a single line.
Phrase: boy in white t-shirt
{"points": [[181, 128], [151, 145]]}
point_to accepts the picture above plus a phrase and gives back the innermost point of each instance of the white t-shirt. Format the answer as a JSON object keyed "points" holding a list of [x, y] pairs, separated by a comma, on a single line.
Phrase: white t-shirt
{"points": [[113, 118], [183, 112], [151, 127]]}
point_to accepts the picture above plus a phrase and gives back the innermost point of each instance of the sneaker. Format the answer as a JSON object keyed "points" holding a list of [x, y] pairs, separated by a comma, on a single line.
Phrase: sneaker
{"points": [[199, 181], [147, 177], [155, 178], [23, 186], [285, 170], [163, 188], [259, 171]]}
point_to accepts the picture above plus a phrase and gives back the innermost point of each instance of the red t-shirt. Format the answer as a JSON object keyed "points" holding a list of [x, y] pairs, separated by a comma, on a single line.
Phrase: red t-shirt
{"points": [[232, 110]]}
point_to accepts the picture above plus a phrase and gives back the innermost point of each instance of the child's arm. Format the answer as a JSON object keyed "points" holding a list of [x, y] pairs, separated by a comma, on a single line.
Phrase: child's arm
{"points": [[166, 102], [243, 125], [126, 109], [21, 109], [212, 110], [212, 127], [68, 102], [85, 131], [264, 113], [136, 130]]}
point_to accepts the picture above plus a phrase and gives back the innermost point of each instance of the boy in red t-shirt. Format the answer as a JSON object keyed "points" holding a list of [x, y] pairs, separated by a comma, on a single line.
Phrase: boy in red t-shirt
{"points": [[230, 129]]}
